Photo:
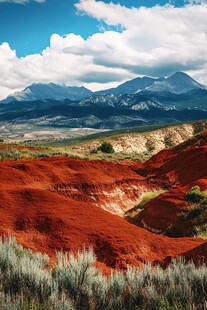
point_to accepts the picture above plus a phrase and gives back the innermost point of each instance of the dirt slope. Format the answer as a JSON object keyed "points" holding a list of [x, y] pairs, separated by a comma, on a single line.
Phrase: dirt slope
{"points": [[110, 186], [57, 203], [198, 255], [152, 142], [176, 170]]}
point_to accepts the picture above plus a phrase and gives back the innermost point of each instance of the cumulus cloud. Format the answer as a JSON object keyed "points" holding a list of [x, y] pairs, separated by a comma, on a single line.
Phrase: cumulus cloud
{"points": [[153, 41], [56, 64], [20, 1], [157, 40]]}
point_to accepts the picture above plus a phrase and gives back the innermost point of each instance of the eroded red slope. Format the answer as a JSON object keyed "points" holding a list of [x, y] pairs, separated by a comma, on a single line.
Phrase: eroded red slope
{"points": [[179, 166], [176, 170], [56, 203], [107, 185]]}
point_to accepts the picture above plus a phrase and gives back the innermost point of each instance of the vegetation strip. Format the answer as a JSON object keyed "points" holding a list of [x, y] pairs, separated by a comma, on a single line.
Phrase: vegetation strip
{"points": [[27, 282]]}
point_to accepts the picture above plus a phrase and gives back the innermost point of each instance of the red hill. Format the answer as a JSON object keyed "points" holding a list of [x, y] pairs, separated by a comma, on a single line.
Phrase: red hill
{"points": [[57, 203], [176, 170]]}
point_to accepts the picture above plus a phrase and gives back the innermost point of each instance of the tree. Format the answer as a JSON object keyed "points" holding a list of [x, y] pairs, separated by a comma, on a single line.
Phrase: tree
{"points": [[106, 147]]}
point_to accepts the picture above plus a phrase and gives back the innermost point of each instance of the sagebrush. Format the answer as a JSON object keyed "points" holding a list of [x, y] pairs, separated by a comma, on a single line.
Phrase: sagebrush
{"points": [[28, 282]]}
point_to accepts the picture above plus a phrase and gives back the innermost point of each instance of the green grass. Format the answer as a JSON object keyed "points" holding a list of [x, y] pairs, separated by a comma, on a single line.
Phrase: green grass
{"points": [[11, 153], [28, 282], [146, 197]]}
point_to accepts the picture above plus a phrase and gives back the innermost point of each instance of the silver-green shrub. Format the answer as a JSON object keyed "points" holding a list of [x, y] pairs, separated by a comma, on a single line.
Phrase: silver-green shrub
{"points": [[27, 283]]}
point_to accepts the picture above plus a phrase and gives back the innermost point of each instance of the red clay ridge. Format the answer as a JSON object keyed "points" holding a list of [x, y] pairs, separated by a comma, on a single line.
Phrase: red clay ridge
{"points": [[56, 204]]}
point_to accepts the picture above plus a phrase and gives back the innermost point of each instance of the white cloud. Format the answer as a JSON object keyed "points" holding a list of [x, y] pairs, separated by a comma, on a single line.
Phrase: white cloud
{"points": [[158, 37], [154, 41], [20, 1], [55, 64]]}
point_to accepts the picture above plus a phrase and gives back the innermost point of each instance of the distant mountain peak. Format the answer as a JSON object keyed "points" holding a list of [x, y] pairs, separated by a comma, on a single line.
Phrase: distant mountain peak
{"points": [[177, 83], [130, 87], [180, 73], [41, 91]]}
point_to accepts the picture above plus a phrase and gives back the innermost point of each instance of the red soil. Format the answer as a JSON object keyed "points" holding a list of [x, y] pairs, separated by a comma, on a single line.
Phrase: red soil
{"points": [[54, 203], [198, 255], [176, 170], [179, 166]]}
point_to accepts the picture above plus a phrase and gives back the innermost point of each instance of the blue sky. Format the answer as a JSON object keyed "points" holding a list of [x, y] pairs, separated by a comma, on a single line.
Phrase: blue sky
{"points": [[28, 27], [99, 44]]}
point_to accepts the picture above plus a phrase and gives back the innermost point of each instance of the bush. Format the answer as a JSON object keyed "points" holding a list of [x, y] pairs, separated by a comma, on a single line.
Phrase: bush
{"points": [[26, 282], [201, 231], [197, 212], [74, 274], [194, 194], [106, 147], [10, 153], [23, 272]]}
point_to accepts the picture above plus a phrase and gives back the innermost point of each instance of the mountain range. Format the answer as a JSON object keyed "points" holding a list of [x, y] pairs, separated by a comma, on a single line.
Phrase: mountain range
{"points": [[141, 101], [177, 83]]}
